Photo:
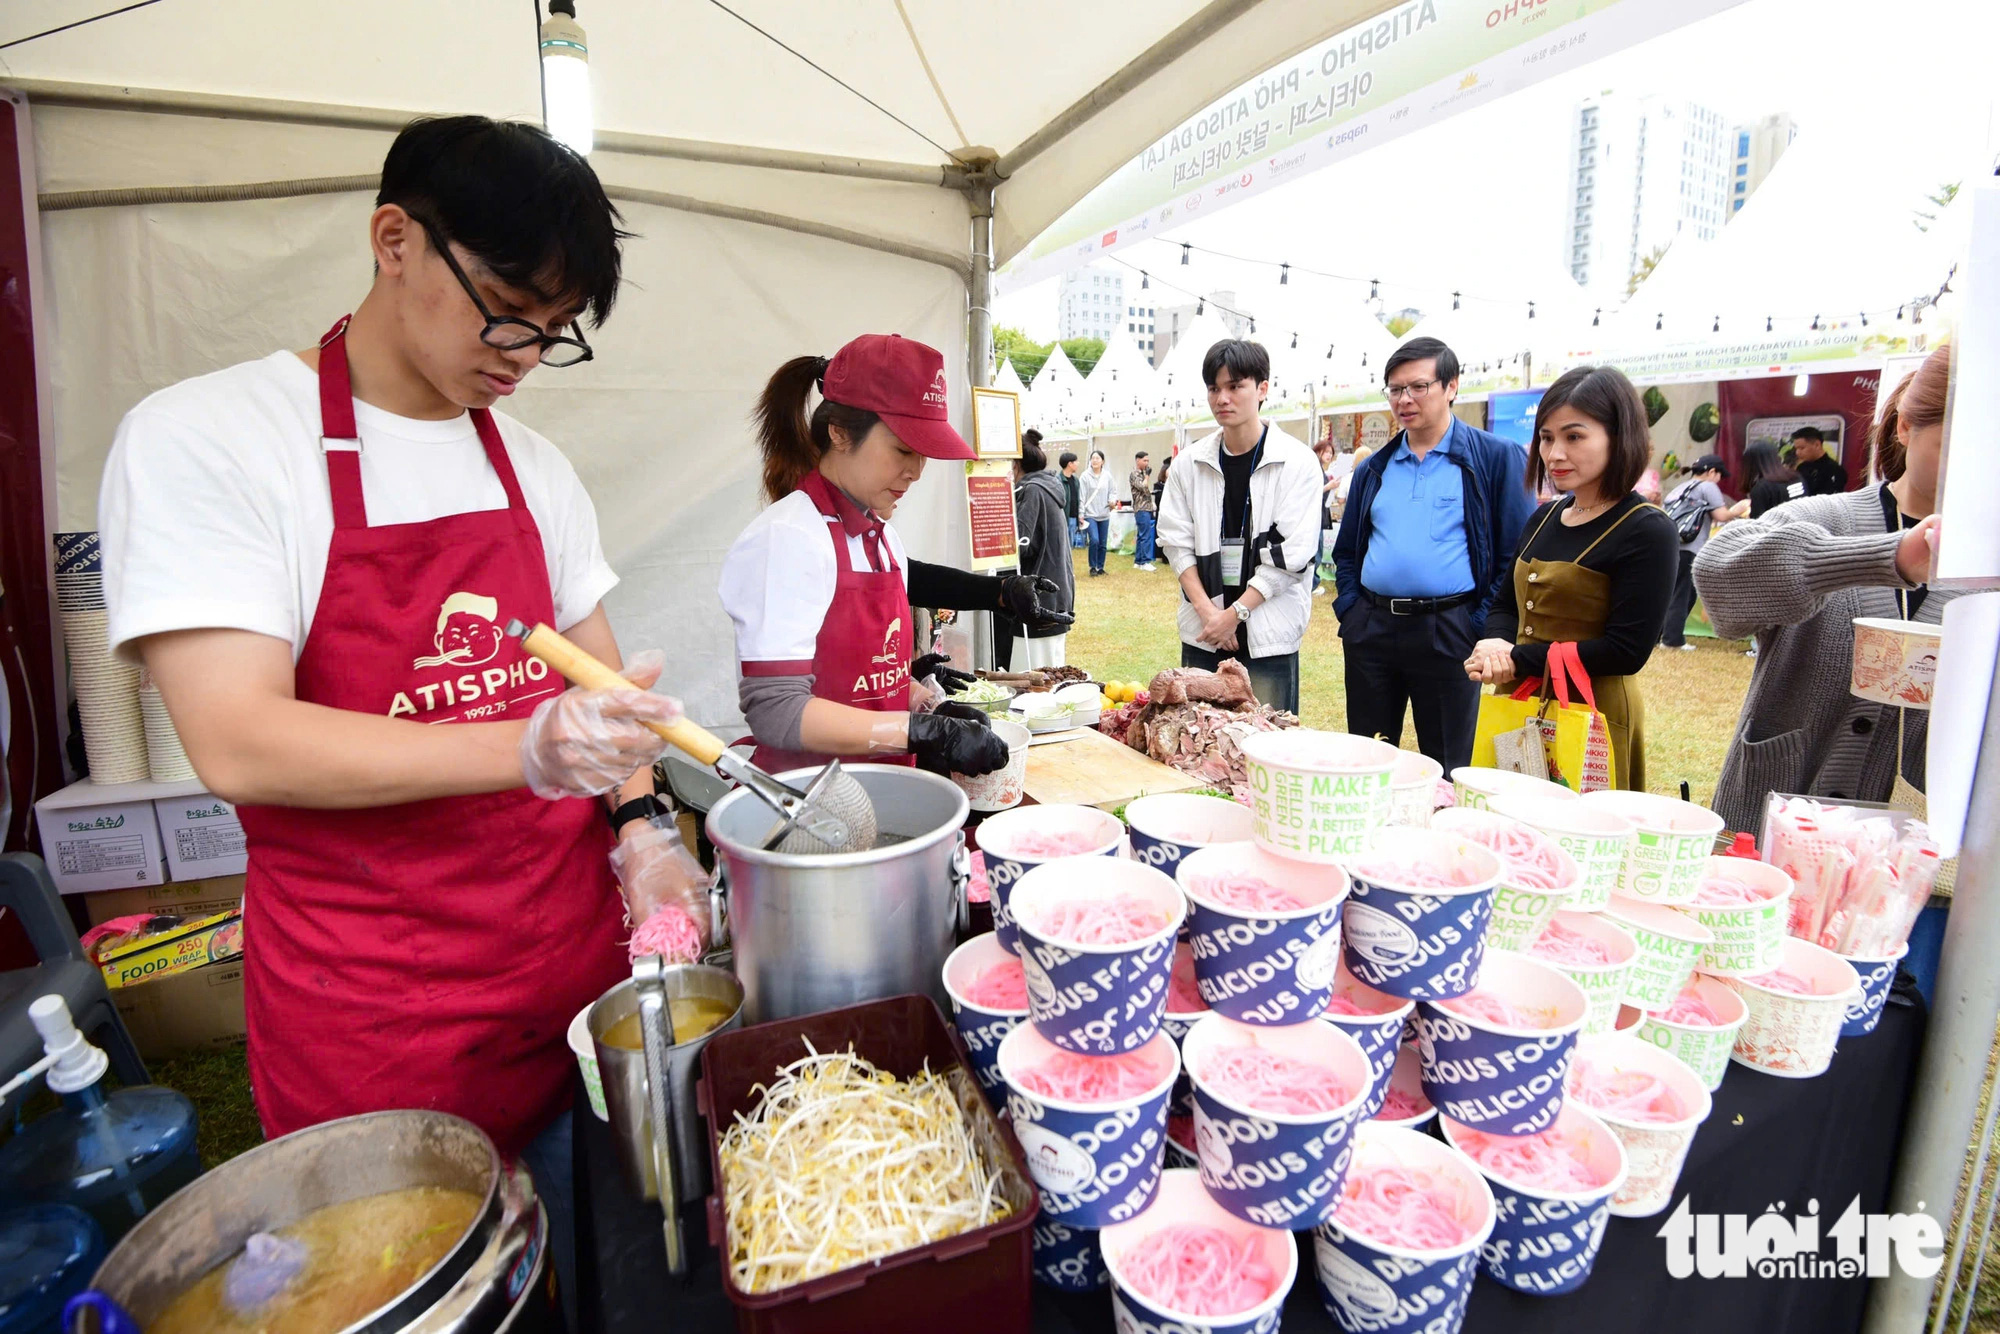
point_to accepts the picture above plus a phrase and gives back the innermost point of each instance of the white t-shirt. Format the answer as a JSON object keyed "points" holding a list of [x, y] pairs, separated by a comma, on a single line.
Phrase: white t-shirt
{"points": [[778, 583], [215, 511]]}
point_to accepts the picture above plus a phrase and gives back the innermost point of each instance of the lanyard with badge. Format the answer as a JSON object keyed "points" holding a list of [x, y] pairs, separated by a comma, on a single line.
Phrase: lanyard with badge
{"points": [[1233, 547]]}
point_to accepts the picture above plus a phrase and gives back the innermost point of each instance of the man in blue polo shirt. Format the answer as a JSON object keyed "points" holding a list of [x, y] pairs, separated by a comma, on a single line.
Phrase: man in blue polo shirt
{"points": [[1430, 528]]}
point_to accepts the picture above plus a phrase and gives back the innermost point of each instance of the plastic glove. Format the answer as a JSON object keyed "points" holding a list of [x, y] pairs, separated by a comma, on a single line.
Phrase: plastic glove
{"points": [[266, 1268], [1032, 600], [947, 743], [971, 713], [657, 873], [938, 666], [584, 743]]}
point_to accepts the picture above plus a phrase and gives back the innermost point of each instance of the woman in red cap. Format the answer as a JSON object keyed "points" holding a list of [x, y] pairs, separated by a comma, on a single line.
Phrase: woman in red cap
{"points": [[820, 587]]}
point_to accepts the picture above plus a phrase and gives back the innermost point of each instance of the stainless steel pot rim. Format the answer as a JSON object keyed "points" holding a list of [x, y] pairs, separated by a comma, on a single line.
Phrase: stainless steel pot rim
{"points": [[909, 846]]}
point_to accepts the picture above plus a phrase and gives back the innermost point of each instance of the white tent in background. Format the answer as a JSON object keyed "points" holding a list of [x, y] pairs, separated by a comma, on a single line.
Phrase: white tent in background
{"points": [[1008, 378], [1056, 397], [1123, 384], [1182, 392]]}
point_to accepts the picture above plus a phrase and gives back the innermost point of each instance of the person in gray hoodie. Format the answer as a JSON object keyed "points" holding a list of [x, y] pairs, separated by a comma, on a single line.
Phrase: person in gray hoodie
{"points": [[1044, 526]]}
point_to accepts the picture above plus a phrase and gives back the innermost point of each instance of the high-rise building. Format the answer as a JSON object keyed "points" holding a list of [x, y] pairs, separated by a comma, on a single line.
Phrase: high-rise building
{"points": [[1173, 319], [1757, 149], [1643, 171], [1090, 303]]}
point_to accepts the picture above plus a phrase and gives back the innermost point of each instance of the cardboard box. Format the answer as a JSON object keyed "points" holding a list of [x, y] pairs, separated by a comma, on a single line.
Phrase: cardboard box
{"points": [[101, 836], [182, 898], [201, 836], [202, 940], [196, 1009]]}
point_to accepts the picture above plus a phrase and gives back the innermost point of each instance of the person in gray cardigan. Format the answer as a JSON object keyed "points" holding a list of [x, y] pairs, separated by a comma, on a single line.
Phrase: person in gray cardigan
{"points": [[1797, 578]]}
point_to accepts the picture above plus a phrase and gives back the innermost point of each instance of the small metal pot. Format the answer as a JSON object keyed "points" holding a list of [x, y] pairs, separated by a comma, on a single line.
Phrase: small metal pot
{"points": [[818, 932], [494, 1279]]}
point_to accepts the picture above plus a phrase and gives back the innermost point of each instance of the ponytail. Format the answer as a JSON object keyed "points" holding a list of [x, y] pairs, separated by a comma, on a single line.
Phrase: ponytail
{"points": [[792, 443]]}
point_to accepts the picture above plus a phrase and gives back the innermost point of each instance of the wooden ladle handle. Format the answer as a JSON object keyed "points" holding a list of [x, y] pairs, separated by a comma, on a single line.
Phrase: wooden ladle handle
{"points": [[585, 670]]}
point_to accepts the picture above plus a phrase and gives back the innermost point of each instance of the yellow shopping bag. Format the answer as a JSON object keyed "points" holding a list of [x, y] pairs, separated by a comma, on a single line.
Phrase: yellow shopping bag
{"points": [[1575, 742]]}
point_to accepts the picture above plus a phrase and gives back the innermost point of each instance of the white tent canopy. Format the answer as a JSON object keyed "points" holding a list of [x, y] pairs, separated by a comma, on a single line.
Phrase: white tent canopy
{"points": [[1122, 383], [1008, 378], [778, 212]]}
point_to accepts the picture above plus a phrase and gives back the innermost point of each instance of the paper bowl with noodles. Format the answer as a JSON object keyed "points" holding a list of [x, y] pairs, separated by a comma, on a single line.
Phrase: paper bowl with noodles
{"points": [[1264, 931], [1097, 949], [1015, 842], [1597, 840], [1495, 1059], [1186, 1264], [1746, 905], [1413, 788], [1536, 876], [1404, 1103], [1895, 662], [1184, 1008], [1652, 1101], [980, 979], [1669, 942], [1595, 953], [1796, 1011], [1417, 915], [1169, 826], [1671, 843], [1374, 1019], [1552, 1196], [1878, 975], [1398, 1255], [1093, 1128], [1477, 787], [1274, 1109], [1317, 796], [1699, 1027]]}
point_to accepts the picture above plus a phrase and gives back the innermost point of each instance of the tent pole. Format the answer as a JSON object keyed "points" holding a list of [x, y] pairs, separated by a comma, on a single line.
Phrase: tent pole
{"points": [[1945, 1102], [980, 190]]}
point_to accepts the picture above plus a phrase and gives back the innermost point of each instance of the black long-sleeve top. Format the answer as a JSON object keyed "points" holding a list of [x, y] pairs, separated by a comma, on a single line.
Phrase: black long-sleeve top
{"points": [[1642, 557]]}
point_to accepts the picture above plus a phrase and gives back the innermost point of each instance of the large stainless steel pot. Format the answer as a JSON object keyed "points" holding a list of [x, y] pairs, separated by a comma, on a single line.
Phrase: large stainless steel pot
{"points": [[492, 1281], [815, 933]]}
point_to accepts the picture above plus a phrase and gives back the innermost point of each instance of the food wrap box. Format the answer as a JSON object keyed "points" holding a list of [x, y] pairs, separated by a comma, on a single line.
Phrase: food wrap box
{"points": [[189, 946], [188, 1011], [176, 898]]}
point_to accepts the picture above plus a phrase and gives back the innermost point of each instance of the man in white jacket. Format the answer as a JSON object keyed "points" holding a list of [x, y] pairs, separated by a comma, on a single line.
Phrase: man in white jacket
{"points": [[1239, 520]]}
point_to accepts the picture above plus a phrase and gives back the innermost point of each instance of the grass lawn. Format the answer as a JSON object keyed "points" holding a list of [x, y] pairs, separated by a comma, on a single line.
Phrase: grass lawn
{"points": [[1125, 631]]}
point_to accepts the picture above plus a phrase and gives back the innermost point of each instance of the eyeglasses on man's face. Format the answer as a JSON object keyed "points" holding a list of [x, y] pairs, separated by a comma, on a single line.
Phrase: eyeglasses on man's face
{"points": [[1414, 389], [509, 333]]}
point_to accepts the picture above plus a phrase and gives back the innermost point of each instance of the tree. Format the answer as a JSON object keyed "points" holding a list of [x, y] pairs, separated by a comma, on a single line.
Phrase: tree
{"points": [[1645, 269], [1026, 354], [1083, 353], [1940, 197]]}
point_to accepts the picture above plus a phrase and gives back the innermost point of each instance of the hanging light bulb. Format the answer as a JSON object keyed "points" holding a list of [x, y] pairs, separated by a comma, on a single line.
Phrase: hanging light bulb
{"points": [[566, 112], [1253, 324], [1801, 385], [1284, 275], [1899, 312], [1767, 324], [1185, 247], [1717, 326], [1374, 289], [1815, 323], [1145, 280], [1864, 319], [1659, 322], [1454, 300], [1596, 316], [1329, 351], [1531, 310], [1364, 359], [1200, 304], [1295, 342]]}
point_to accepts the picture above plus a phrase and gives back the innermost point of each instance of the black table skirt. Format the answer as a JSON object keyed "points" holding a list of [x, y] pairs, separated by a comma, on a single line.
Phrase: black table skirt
{"points": [[1769, 1141]]}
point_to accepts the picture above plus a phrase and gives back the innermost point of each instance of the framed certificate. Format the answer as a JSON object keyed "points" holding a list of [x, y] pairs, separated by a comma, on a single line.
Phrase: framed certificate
{"points": [[996, 423]]}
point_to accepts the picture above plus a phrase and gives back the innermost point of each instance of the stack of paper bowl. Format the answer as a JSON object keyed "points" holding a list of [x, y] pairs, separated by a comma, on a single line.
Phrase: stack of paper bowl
{"points": [[166, 760], [107, 690]]}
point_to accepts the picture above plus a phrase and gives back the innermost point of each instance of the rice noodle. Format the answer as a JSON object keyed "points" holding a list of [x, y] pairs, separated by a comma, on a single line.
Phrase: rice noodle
{"points": [[1690, 1008], [1000, 987], [1048, 844], [1779, 979], [1073, 1077], [1183, 993], [1528, 857], [1420, 1208], [1488, 1006], [1566, 944], [1629, 1094], [1717, 892], [1249, 892], [1194, 1269], [1118, 919], [1400, 1105], [1267, 1081], [1428, 873], [1556, 1161], [670, 933], [1341, 1005]]}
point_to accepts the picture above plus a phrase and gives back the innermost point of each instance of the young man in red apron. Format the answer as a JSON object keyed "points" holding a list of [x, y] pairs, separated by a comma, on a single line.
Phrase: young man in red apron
{"points": [[421, 926]]}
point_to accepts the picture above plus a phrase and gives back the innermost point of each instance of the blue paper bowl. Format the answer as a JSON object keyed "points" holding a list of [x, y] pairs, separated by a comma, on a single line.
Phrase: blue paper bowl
{"points": [[1175, 1024], [1405, 1076], [1545, 1242], [1257, 966], [1503, 1080], [1372, 1287], [1093, 1163], [1275, 1170], [1878, 975], [1418, 943], [1380, 1032], [1183, 1201], [1068, 1258], [1001, 836], [981, 1027], [1099, 1000], [1168, 827]]}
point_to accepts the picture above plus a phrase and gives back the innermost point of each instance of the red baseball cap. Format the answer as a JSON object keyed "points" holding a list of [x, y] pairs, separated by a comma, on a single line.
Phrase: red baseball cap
{"points": [[901, 381]]}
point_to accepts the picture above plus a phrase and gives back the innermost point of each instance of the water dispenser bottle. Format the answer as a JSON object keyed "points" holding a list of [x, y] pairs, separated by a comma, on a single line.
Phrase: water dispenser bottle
{"points": [[47, 1254], [113, 1155]]}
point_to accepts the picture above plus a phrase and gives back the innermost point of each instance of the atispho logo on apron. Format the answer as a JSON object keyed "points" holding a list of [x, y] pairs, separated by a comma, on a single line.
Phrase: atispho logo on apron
{"points": [[468, 636]]}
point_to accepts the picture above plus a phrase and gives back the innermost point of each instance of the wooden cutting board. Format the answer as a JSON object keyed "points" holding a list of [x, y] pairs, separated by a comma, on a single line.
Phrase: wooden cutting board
{"points": [[1090, 769]]}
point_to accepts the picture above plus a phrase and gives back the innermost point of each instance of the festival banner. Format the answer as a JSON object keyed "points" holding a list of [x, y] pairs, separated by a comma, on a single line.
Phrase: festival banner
{"points": [[1413, 66]]}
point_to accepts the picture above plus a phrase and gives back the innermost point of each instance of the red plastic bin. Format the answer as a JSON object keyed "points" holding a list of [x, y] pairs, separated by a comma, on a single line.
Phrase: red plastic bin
{"points": [[971, 1283]]}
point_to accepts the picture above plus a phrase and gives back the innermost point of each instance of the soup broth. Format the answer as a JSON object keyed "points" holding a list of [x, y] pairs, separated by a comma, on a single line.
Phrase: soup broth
{"points": [[360, 1254], [694, 1016]]}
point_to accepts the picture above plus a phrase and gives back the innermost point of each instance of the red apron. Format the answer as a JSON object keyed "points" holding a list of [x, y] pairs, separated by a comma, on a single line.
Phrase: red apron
{"points": [[862, 655], [431, 954]]}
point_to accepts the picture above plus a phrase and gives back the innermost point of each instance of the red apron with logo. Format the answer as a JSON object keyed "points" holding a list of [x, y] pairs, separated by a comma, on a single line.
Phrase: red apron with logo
{"points": [[432, 954], [862, 655]]}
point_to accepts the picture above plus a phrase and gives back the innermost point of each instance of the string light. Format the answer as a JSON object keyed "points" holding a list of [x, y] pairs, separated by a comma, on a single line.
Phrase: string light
{"points": [[1659, 322], [1374, 289], [1454, 300], [1329, 351], [1199, 304], [1899, 312], [1815, 323], [1596, 316], [1531, 310], [1717, 326], [1864, 319], [1767, 324], [1295, 342], [1145, 280], [1185, 247], [1284, 275]]}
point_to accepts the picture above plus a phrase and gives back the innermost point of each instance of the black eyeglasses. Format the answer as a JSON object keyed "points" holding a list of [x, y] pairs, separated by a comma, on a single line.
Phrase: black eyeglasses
{"points": [[509, 333]]}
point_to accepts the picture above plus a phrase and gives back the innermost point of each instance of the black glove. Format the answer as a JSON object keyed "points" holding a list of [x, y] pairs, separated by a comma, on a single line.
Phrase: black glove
{"points": [[947, 743], [1031, 600], [949, 678], [972, 713]]}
